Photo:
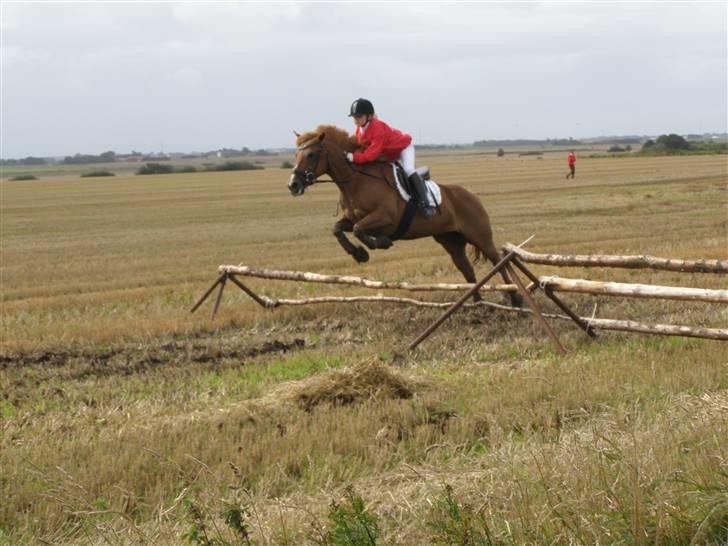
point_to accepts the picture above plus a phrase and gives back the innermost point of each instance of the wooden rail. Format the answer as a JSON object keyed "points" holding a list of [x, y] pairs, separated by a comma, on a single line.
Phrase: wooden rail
{"points": [[602, 324], [626, 262], [634, 290], [305, 276], [553, 282]]}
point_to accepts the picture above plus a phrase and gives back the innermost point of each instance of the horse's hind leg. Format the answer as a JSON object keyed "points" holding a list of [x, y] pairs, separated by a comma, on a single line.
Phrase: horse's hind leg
{"points": [[358, 253], [454, 244], [482, 238]]}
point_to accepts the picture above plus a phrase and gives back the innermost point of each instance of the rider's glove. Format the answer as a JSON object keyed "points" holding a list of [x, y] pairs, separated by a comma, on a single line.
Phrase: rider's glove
{"points": [[350, 157]]}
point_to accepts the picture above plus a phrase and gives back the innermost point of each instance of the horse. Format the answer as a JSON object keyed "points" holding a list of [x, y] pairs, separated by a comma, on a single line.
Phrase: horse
{"points": [[372, 207]]}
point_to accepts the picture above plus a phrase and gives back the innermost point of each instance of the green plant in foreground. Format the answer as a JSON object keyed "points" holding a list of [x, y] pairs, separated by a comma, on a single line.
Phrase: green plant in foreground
{"points": [[201, 533], [197, 533], [235, 516], [351, 524], [453, 523]]}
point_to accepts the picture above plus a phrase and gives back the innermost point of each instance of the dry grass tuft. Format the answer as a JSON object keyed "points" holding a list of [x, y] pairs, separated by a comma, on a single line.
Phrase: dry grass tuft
{"points": [[362, 382]]}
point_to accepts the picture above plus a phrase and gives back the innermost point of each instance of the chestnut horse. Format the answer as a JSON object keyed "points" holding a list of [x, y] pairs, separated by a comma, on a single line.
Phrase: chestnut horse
{"points": [[372, 207]]}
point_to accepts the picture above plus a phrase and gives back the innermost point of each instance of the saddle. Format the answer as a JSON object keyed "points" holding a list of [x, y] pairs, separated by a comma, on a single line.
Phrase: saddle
{"points": [[401, 177], [393, 173], [402, 184]]}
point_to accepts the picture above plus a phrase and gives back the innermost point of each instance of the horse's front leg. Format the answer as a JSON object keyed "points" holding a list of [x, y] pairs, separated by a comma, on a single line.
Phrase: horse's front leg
{"points": [[374, 220], [358, 253]]}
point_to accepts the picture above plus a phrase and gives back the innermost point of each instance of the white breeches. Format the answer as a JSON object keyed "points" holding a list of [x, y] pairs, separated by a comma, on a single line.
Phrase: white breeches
{"points": [[407, 157]]}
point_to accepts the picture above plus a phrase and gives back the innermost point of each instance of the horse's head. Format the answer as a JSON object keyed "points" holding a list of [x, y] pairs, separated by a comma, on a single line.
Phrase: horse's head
{"points": [[311, 162]]}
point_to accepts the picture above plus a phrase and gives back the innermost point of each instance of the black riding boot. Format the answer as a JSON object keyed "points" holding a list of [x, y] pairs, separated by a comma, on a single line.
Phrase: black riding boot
{"points": [[420, 190]]}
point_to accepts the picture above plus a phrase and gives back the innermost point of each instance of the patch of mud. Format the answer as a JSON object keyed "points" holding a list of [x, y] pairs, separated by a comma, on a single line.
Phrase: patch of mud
{"points": [[135, 359], [359, 383]]}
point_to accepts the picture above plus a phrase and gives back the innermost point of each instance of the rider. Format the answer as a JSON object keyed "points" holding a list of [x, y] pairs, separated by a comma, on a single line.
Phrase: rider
{"points": [[389, 142]]}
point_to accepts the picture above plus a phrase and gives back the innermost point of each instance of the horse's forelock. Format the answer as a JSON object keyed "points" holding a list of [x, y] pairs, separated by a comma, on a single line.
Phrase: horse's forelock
{"points": [[340, 136], [305, 138]]}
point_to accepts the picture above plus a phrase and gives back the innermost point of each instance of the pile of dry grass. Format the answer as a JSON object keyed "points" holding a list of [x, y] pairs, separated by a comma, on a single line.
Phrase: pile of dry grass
{"points": [[353, 385]]}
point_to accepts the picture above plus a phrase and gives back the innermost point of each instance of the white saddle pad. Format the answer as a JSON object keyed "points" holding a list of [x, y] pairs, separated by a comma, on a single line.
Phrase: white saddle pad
{"points": [[434, 197]]}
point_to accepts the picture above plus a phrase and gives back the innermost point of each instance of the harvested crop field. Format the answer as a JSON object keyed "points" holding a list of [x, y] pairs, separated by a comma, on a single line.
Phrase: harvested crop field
{"points": [[124, 419]]}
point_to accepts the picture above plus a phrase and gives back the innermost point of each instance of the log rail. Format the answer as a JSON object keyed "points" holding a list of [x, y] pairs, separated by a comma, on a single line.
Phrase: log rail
{"points": [[305, 276], [720, 334], [625, 262], [555, 283]]}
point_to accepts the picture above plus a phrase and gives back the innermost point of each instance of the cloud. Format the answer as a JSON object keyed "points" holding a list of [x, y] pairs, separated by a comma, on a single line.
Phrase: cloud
{"points": [[198, 75]]}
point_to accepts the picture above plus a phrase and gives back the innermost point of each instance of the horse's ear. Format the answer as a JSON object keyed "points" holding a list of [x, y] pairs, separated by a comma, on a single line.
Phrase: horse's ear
{"points": [[322, 136], [297, 134]]}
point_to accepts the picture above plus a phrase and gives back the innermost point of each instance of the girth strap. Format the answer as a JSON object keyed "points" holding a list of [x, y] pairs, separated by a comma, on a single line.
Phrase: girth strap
{"points": [[409, 213]]}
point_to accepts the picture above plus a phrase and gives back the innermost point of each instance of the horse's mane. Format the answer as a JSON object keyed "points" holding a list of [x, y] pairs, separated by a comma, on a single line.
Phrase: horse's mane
{"points": [[345, 141]]}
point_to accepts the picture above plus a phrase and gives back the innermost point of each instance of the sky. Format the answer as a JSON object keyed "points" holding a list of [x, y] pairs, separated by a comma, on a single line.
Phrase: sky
{"points": [[89, 77]]}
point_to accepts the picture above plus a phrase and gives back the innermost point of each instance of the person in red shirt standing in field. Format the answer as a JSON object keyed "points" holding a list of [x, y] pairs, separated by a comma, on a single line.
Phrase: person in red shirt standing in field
{"points": [[383, 140], [571, 158]]}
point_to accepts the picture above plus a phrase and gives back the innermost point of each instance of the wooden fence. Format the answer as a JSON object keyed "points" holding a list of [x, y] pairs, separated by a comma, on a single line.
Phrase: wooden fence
{"points": [[550, 285]]}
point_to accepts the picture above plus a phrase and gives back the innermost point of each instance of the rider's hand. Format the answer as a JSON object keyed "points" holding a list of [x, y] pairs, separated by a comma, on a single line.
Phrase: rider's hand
{"points": [[350, 157]]}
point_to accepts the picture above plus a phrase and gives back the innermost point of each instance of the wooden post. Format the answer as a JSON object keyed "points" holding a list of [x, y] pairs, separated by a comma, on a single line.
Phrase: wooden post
{"points": [[250, 293], [455, 306], [536, 310], [209, 291], [219, 295], [583, 325]]}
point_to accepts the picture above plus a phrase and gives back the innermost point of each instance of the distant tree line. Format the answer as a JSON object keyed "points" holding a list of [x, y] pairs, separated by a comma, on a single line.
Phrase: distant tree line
{"points": [[231, 152], [440, 146], [527, 142], [618, 149], [617, 140], [166, 168], [83, 159], [675, 144], [664, 144], [30, 160]]}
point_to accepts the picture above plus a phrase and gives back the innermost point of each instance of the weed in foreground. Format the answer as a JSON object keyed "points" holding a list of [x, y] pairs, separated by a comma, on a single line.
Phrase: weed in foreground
{"points": [[351, 523], [203, 531], [455, 523]]}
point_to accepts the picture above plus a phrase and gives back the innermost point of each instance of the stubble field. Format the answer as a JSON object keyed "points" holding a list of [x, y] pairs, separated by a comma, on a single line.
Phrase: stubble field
{"points": [[126, 419]]}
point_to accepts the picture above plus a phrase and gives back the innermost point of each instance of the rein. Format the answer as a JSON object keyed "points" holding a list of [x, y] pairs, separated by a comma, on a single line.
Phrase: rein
{"points": [[309, 175], [370, 175]]}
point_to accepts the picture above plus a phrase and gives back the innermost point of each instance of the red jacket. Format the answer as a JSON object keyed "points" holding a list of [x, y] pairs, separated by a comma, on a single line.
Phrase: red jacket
{"points": [[571, 159], [382, 140]]}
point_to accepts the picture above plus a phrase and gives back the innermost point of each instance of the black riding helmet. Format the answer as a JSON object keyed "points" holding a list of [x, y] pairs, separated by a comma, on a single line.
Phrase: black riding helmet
{"points": [[361, 107]]}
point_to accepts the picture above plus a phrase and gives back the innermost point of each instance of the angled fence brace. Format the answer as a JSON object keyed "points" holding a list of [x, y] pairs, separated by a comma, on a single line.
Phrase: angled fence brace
{"points": [[224, 276]]}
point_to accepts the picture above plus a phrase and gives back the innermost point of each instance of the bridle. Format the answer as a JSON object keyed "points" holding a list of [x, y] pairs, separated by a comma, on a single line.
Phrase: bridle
{"points": [[308, 176], [304, 177]]}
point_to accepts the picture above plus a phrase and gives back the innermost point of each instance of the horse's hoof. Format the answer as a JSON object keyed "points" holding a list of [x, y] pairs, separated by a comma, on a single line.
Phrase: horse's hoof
{"points": [[361, 255], [384, 243]]}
